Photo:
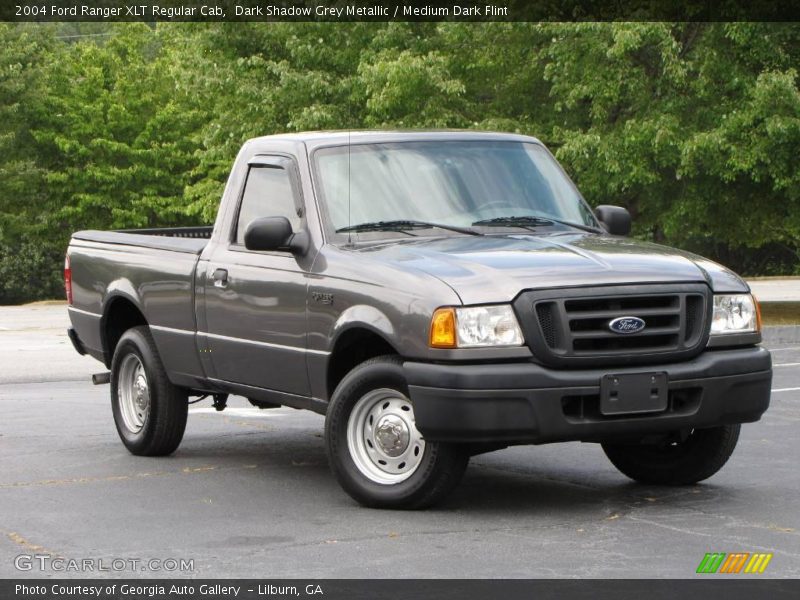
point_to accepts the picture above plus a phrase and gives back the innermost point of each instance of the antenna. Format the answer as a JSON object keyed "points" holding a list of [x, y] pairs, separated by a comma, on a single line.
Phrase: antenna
{"points": [[349, 221]]}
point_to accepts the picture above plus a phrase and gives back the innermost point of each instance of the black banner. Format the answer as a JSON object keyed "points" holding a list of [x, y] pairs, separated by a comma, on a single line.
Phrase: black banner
{"points": [[398, 10], [740, 588]]}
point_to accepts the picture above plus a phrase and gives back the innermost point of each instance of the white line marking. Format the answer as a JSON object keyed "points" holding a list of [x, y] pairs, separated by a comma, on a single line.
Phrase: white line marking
{"points": [[787, 364], [797, 389], [782, 349]]}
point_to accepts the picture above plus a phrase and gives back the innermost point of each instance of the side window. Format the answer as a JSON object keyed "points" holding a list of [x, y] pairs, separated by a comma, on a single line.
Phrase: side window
{"points": [[267, 193]]}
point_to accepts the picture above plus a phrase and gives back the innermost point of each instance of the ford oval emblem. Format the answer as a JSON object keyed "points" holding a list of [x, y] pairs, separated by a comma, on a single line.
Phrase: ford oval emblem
{"points": [[626, 325]]}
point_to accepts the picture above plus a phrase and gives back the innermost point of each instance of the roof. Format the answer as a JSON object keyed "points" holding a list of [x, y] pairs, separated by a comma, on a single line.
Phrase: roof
{"points": [[341, 137]]}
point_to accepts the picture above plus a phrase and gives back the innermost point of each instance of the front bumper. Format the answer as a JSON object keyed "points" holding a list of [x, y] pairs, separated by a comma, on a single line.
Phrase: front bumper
{"points": [[528, 403]]}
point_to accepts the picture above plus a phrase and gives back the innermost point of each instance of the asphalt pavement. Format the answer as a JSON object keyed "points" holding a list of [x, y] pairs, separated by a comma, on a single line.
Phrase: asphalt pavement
{"points": [[249, 493]]}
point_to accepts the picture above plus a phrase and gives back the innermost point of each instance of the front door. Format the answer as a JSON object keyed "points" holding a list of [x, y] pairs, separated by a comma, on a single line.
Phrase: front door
{"points": [[256, 301]]}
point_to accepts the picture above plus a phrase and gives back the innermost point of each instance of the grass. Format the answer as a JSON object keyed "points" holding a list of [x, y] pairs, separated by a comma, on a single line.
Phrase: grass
{"points": [[780, 313]]}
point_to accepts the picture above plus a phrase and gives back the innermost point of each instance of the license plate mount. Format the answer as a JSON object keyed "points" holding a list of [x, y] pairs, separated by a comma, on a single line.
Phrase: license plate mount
{"points": [[633, 393]]}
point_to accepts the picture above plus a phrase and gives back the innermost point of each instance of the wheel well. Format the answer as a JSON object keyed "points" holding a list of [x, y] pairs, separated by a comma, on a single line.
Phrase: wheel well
{"points": [[351, 349], [121, 315]]}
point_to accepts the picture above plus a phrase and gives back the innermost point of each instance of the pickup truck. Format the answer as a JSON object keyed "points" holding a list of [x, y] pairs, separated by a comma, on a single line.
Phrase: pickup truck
{"points": [[435, 295]]}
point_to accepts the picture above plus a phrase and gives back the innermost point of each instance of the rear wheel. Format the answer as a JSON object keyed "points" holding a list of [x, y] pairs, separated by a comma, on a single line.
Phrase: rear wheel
{"points": [[697, 457], [374, 448], [149, 412]]}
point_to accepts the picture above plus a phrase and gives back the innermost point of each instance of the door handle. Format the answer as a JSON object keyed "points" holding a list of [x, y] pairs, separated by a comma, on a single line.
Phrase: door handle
{"points": [[220, 278]]}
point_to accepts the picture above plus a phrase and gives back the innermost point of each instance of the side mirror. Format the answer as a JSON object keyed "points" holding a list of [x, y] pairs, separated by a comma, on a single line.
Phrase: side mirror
{"points": [[615, 219], [270, 233]]}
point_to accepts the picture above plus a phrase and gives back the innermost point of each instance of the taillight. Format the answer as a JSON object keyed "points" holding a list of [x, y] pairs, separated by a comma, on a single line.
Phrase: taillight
{"points": [[68, 280]]}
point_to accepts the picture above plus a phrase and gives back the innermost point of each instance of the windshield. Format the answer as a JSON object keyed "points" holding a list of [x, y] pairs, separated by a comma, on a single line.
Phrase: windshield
{"points": [[450, 183]]}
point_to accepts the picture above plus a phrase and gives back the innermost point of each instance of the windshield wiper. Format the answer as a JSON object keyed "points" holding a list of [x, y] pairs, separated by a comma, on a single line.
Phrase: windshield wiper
{"points": [[402, 224], [526, 220], [521, 222]]}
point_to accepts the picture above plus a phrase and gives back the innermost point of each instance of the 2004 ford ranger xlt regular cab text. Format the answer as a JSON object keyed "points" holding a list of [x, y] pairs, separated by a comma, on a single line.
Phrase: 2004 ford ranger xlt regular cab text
{"points": [[435, 295]]}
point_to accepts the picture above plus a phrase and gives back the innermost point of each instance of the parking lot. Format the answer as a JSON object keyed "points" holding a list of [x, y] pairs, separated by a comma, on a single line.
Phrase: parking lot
{"points": [[249, 494]]}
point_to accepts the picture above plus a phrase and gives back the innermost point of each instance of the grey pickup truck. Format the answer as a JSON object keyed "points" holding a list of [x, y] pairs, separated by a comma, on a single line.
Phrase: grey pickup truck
{"points": [[435, 295]]}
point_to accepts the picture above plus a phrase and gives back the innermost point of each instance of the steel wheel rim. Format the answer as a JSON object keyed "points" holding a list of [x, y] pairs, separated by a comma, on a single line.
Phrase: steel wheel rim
{"points": [[382, 437], [133, 393]]}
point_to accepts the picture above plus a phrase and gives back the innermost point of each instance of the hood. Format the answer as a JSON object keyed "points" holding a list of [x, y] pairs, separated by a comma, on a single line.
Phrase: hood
{"points": [[495, 268]]}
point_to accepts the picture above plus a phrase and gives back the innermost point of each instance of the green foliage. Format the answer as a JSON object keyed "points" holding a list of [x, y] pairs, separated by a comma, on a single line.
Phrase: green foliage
{"points": [[31, 271], [115, 132], [22, 74], [693, 126]]}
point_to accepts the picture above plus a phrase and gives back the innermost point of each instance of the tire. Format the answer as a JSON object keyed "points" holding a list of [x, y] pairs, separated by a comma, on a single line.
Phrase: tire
{"points": [[698, 457], [415, 474], [149, 412]]}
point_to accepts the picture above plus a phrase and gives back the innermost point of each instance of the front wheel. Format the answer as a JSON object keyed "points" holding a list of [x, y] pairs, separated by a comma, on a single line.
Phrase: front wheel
{"points": [[149, 412], [374, 448], [697, 457]]}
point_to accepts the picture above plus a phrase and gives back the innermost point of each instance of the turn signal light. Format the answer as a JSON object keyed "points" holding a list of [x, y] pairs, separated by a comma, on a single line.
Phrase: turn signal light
{"points": [[443, 328], [758, 314]]}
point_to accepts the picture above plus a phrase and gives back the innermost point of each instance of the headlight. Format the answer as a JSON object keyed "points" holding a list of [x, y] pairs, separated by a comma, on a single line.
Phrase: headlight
{"points": [[474, 327], [734, 313]]}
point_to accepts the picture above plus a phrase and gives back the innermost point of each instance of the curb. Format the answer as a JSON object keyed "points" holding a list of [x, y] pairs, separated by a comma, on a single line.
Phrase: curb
{"points": [[781, 334]]}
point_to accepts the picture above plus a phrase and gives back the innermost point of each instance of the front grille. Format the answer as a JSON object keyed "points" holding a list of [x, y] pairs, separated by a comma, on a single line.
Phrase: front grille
{"points": [[588, 321], [571, 326], [547, 321]]}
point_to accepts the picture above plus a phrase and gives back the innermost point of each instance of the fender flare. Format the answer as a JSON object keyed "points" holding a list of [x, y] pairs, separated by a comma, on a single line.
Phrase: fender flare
{"points": [[362, 316], [119, 289]]}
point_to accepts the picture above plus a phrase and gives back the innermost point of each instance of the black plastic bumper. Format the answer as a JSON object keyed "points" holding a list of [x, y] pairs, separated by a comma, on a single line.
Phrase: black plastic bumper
{"points": [[76, 341], [529, 403]]}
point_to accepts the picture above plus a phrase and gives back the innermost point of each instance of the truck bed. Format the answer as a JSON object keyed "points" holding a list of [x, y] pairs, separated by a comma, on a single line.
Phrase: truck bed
{"points": [[153, 269], [190, 240]]}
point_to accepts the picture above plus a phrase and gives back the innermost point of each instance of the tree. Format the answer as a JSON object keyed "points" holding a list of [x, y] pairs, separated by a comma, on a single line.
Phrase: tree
{"points": [[692, 126], [115, 135], [26, 267]]}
